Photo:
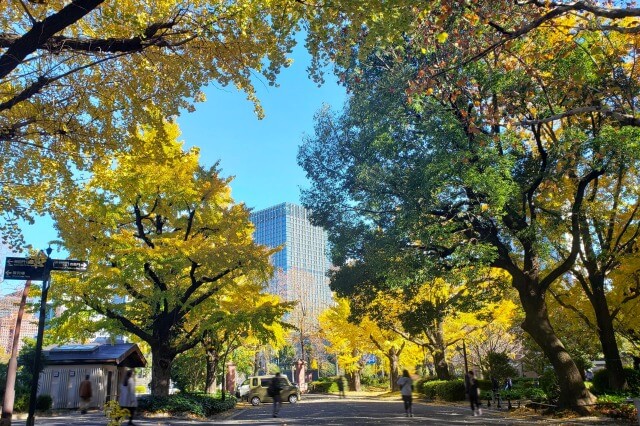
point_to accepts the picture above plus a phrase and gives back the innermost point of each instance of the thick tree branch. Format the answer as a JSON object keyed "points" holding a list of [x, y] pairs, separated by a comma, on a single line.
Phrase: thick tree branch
{"points": [[196, 284], [132, 291], [43, 31], [575, 231], [573, 309], [155, 279], [126, 322], [140, 226]]}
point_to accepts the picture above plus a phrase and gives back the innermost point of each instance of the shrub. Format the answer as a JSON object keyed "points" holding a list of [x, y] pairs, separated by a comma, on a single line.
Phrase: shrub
{"points": [[601, 381], [535, 394], [549, 384], [616, 406], [115, 413], [421, 381], [141, 389], [323, 387], [451, 390], [202, 405], [633, 380], [44, 402], [375, 381], [521, 392], [21, 403]]}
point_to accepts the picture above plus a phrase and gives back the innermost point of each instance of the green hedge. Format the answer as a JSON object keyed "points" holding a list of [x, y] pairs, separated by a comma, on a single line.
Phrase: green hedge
{"points": [[202, 405], [485, 385], [446, 390], [534, 394], [323, 386]]}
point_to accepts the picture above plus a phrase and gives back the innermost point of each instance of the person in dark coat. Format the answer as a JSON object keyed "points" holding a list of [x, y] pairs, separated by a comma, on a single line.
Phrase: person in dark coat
{"points": [[473, 395], [85, 392], [274, 389]]}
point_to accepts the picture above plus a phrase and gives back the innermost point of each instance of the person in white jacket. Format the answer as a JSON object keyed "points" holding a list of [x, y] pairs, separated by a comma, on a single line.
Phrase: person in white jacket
{"points": [[406, 390], [127, 397]]}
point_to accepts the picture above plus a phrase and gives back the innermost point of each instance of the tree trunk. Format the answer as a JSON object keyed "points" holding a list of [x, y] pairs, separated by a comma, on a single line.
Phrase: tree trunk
{"points": [[440, 365], [256, 363], [439, 360], [161, 360], [606, 334], [573, 393], [394, 368], [212, 368], [353, 380]]}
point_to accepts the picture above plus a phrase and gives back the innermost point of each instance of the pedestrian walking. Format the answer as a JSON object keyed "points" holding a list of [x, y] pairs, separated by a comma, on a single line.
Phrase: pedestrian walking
{"points": [[406, 390], [508, 384], [85, 392], [274, 389], [341, 387], [127, 398], [474, 390]]}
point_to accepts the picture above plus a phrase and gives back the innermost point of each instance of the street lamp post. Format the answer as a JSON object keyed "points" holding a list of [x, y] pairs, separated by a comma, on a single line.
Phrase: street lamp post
{"points": [[38, 353]]}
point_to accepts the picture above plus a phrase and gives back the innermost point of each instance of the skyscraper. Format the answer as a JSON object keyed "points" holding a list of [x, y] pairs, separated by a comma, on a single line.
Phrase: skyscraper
{"points": [[303, 262]]}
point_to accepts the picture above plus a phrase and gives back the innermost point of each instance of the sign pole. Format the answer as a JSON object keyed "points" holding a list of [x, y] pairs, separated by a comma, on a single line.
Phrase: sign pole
{"points": [[38, 354]]}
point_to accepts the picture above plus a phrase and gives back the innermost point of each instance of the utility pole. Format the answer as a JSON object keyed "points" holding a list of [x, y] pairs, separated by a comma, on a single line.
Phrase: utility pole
{"points": [[10, 387]]}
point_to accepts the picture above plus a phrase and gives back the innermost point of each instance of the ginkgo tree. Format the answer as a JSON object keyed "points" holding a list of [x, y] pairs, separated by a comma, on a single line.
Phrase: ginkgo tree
{"points": [[234, 315], [77, 75], [163, 237], [348, 341], [354, 340]]}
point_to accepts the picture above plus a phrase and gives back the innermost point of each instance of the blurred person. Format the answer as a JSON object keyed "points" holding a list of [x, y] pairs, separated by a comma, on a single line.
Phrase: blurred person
{"points": [[274, 389], [341, 387], [406, 390], [85, 392], [127, 398], [474, 390]]}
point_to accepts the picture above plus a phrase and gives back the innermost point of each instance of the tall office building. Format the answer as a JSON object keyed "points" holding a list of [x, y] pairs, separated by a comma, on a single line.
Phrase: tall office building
{"points": [[303, 262]]}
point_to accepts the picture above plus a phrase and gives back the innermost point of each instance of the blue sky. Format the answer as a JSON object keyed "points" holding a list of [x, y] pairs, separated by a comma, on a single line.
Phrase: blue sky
{"points": [[260, 154]]}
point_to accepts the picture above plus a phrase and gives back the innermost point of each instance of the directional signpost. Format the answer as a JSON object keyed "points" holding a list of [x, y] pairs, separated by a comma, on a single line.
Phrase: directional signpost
{"points": [[69, 265], [24, 268], [37, 268]]}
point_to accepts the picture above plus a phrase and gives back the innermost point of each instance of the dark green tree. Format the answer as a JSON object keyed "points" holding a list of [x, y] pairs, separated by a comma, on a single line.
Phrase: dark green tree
{"points": [[499, 365]]}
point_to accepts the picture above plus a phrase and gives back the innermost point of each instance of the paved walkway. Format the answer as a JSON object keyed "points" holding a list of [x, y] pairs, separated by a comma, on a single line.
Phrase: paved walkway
{"points": [[321, 410]]}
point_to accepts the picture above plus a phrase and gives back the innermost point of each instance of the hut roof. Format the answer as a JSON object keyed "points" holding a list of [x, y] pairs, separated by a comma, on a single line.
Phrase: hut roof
{"points": [[120, 354]]}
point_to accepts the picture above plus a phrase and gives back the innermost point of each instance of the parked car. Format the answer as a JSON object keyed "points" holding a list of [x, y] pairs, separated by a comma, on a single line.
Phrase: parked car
{"points": [[254, 390]]}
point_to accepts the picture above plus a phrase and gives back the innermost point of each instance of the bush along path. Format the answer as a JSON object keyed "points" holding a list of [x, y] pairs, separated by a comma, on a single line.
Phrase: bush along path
{"points": [[181, 404]]}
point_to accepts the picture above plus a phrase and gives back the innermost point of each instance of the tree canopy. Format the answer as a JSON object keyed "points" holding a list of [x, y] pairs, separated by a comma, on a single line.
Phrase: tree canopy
{"points": [[77, 77]]}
